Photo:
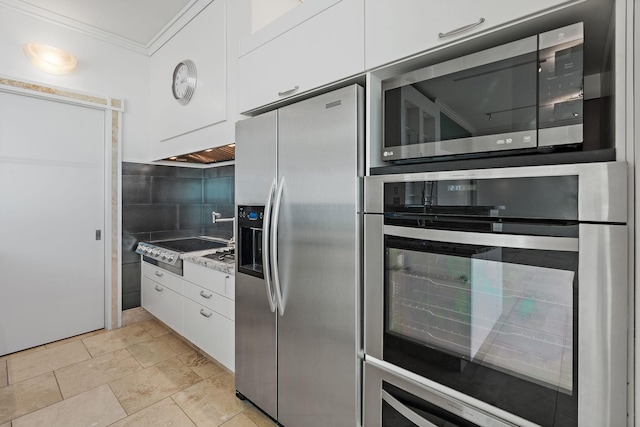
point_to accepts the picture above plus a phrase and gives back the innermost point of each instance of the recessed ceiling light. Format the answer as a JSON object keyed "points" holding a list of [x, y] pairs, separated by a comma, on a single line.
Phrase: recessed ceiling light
{"points": [[50, 59], [208, 150]]}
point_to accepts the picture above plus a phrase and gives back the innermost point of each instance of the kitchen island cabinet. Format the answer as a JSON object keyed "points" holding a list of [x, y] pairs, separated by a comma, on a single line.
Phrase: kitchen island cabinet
{"points": [[396, 30], [199, 305], [323, 49]]}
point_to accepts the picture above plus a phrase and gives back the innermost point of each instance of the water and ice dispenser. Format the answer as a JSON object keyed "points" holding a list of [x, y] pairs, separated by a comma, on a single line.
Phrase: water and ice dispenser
{"points": [[249, 240]]}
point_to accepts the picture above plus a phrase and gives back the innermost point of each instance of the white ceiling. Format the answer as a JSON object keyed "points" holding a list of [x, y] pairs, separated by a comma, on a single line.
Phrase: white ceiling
{"points": [[135, 24]]}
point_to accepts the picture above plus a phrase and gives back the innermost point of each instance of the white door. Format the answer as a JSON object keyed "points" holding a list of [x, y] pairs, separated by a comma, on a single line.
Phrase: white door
{"points": [[51, 206]]}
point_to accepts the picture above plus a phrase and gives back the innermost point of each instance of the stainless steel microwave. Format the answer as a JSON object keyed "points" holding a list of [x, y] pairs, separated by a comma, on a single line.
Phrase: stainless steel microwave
{"points": [[523, 95]]}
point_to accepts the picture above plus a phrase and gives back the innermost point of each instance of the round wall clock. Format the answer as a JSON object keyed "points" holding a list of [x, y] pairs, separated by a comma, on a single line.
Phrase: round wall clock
{"points": [[184, 81]]}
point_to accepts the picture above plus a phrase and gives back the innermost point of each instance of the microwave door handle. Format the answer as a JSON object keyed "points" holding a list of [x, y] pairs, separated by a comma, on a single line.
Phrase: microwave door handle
{"points": [[405, 411], [274, 247], [266, 256]]}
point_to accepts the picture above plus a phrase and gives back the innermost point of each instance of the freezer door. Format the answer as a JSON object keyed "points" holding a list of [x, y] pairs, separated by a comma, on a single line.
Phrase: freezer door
{"points": [[255, 169], [255, 322], [319, 236]]}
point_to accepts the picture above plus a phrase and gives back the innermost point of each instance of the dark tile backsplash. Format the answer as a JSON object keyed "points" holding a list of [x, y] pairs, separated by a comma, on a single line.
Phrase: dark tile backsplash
{"points": [[166, 202]]}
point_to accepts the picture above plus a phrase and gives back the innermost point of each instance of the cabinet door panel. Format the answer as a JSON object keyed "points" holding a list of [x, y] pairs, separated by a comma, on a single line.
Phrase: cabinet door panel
{"points": [[205, 277], [163, 277], [395, 30], [328, 47], [211, 300], [211, 332], [163, 303]]}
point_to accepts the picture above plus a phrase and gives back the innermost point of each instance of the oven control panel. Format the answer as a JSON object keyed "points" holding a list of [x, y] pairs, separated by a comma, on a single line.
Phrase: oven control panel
{"points": [[159, 254]]}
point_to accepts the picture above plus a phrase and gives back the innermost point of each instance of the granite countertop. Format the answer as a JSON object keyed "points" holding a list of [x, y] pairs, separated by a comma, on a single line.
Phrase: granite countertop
{"points": [[226, 265]]}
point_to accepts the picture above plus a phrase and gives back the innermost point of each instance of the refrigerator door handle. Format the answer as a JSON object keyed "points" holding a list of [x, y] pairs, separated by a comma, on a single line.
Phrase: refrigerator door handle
{"points": [[266, 254], [274, 247]]}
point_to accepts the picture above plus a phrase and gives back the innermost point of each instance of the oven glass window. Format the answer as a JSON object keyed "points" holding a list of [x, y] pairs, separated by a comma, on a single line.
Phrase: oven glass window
{"points": [[471, 317]]}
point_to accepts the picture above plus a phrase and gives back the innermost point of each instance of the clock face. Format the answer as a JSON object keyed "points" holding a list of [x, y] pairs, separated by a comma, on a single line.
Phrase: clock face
{"points": [[184, 81]]}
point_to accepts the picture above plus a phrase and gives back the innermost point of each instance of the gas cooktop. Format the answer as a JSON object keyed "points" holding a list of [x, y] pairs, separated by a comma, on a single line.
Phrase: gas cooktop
{"points": [[169, 251], [190, 244]]}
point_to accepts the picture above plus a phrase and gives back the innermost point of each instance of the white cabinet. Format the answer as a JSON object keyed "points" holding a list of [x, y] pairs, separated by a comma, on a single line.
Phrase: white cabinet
{"points": [[199, 305], [211, 41], [398, 29], [210, 331], [326, 48], [203, 42], [163, 302]]}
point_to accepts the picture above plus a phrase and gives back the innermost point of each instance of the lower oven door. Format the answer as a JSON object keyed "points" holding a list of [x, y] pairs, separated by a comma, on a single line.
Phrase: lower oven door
{"points": [[392, 400], [528, 325]]}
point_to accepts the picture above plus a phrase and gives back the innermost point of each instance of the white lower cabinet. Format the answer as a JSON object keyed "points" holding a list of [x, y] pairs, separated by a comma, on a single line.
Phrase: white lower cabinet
{"points": [[212, 332], [200, 306], [163, 303]]}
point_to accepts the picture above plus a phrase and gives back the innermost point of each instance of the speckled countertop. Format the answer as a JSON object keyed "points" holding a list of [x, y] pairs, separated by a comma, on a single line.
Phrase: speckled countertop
{"points": [[227, 265]]}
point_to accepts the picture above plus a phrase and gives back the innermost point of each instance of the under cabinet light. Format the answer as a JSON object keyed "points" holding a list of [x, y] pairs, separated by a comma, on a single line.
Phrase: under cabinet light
{"points": [[50, 59]]}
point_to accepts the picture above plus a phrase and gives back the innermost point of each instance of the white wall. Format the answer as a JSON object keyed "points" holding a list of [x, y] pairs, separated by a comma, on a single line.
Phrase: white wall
{"points": [[103, 69]]}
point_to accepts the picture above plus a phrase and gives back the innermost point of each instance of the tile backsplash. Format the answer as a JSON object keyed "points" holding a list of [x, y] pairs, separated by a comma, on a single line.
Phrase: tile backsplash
{"points": [[164, 202]]}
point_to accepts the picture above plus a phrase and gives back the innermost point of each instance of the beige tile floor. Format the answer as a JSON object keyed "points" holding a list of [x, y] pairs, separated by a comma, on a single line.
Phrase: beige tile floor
{"points": [[138, 375]]}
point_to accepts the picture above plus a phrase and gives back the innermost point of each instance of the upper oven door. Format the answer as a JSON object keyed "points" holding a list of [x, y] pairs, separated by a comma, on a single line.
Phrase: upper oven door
{"points": [[491, 100], [492, 316]]}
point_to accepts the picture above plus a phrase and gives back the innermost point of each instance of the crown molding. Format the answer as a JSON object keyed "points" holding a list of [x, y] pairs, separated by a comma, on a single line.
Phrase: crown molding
{"points": [[192, 9], [189, 12]]}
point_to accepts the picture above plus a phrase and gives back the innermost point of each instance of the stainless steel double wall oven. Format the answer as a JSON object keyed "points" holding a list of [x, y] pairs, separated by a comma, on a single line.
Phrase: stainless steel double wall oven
{"points": [[497, 297]]}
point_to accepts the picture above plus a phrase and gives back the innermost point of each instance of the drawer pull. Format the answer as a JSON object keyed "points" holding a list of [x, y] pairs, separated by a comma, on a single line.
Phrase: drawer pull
{"points": [[460, 30], [204, 313], [158, 288], [159, 274], [289, 92], [203, 295]]}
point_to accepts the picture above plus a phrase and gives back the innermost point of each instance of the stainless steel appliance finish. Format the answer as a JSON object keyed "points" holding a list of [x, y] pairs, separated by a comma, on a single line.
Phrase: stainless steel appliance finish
{"points": [[378, 372], [166, 253], [527, 94], [297, 334], [601, 250]]}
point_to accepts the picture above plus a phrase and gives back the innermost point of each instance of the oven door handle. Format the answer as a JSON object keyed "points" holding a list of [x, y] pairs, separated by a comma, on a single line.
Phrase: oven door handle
{"points": [[266, 255], [547, 243], [274, 246], [405, 411]]}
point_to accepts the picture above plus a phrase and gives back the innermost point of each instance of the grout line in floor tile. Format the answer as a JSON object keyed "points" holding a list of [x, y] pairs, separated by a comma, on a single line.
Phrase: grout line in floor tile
{"points": [[58, 384], [183, 411], [119, 403], [85, 346]]}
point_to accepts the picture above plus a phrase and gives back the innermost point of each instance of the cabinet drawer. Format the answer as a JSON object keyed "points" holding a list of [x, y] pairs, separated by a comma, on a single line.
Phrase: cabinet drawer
{"points": [[211, 332], [304, 57], [211, 300], [163, 303], [398, 29], [163, 277], [213, 280]]}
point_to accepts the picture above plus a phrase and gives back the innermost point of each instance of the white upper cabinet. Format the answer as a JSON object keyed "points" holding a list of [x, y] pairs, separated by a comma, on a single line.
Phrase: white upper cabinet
{"points": [[398, 29], [325, 48], [203, 42]]}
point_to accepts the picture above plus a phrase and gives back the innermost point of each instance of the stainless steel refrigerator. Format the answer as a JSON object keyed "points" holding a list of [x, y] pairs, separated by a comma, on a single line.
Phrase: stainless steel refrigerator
{"points": [[298, 179]]}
